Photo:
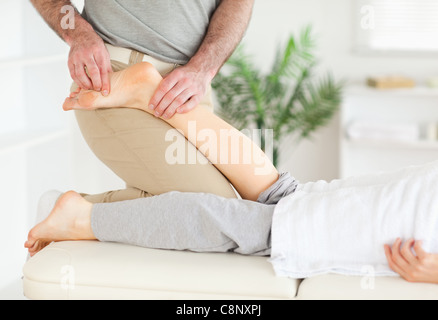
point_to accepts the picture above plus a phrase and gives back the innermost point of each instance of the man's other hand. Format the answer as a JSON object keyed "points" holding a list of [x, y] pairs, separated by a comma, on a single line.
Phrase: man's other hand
{"points": [[180, 92], [89, 63]]}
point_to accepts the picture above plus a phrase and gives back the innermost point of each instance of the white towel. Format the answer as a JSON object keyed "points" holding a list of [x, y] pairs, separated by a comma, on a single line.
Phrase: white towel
{"points": [[341, 227]]}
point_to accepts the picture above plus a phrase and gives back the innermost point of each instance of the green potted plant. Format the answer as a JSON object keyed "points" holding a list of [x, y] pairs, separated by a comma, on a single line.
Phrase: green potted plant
{"points": [[287, 100]]}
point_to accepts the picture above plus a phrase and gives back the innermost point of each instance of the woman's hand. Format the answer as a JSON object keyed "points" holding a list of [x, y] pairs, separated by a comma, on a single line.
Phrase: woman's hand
{"points": [[411, 262]]}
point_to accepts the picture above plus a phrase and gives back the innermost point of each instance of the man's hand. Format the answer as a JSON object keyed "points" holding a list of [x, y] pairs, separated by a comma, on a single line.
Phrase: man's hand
{"points": [[180, 92], [183, 89], [88, 53], [89, 62], [411, 262]]}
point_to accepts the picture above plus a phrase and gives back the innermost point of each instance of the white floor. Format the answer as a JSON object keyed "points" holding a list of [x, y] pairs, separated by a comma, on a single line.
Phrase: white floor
{"points": [[12, 291]]}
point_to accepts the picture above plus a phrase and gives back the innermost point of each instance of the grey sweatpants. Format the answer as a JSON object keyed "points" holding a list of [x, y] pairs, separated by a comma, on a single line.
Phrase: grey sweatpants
{"points": [[194, 222]]}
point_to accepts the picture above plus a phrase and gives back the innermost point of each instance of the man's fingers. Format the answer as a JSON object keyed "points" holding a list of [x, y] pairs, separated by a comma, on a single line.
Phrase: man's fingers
{"points": [[163, 89], [88, 75], [104, 65], [177, 103], [81, 78], [76, 79], [89, 64], [106, 85], [178, 107], [177, 95], [94, 75], [191, 104], [71, 68]]}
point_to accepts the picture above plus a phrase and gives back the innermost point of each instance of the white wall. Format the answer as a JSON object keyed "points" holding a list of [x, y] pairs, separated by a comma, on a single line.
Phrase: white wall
{"points": [[32, 161], [40, 146], [333, 23]]}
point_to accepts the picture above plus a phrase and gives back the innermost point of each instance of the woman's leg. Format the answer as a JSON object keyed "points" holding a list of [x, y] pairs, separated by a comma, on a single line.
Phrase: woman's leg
{"points": [[197, 222], [133, 145], [249, 170], [186, 221], [174, 221]]}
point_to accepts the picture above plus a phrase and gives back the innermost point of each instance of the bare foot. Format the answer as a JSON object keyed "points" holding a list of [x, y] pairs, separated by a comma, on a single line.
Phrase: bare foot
{"points": [[131, 88], [69, 220]]}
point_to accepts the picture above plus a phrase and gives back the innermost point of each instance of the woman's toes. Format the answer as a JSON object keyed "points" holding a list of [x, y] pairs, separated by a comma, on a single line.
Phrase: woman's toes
{"points": [[89, 99], [34, 249], [35, 234], [71, 104], [38, 246], [74, 94], [85, 100]]}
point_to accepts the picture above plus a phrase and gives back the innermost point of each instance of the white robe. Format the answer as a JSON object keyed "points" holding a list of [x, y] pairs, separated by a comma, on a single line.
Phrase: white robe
{"points": [[341, 227]]}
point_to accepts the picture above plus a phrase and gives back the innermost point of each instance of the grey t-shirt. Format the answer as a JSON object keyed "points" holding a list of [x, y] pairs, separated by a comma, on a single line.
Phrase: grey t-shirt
{"points": [[168, 30]]}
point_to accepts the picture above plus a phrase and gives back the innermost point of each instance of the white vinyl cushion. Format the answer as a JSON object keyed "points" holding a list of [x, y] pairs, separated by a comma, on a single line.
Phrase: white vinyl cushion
{"points": [[97, 270], [336, 287]]}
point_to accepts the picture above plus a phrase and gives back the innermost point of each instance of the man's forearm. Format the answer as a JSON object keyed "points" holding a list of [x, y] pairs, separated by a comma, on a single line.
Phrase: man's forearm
{"points": [[51, 11], [226, 30]]}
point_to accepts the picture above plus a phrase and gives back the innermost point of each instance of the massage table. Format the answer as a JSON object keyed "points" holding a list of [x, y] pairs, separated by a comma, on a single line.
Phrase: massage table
{"points": [[92, 270]]}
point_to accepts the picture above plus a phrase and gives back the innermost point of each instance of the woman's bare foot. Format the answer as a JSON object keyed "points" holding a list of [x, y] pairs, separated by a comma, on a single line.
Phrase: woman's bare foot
{"points": [[130, 88], [69, 220]]}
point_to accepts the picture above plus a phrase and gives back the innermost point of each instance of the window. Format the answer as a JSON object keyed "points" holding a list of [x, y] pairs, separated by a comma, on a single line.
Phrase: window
{"points": [[397, 25]]}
